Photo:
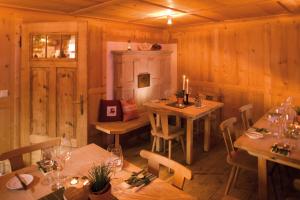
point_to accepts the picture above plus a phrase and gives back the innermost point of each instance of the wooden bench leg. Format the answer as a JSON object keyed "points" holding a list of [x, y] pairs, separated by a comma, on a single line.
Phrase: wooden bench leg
{"points": [[117, 140]]}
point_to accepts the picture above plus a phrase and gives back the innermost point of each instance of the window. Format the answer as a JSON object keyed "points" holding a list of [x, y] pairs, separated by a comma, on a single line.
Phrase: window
{"points": [[54, 46]]}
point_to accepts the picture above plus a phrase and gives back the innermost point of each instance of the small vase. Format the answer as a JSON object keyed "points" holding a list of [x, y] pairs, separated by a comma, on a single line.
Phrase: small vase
{"points": [[104, 194], [179, 101]]}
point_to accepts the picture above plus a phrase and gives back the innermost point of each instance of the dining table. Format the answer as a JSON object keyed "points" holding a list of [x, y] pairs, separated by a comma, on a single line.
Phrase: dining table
{"points": [[190, 113], [261, 148], [82, 159]]}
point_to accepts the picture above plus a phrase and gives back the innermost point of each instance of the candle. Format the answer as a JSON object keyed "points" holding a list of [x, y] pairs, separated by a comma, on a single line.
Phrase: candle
{"points": [[74, 181], [183, 82], [187, 85]]}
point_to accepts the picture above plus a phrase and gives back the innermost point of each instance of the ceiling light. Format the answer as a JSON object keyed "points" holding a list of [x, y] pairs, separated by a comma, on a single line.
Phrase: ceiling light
{"points": [[169, 20]]}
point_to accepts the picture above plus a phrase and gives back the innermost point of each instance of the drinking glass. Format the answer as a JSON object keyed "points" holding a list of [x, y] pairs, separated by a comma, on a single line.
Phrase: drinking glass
{"points": [[116, 158], [47, 163], [62, 155]]}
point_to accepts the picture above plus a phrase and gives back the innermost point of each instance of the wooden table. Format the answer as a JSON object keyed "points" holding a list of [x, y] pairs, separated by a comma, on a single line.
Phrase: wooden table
{"points": [[261, 149], [191, 113], [81, 161]]}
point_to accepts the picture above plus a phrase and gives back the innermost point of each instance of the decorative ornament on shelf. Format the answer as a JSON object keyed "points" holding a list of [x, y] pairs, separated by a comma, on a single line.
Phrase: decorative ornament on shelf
{"points": [[129, 45], [144, 47], [99, 182], [156, 47]]}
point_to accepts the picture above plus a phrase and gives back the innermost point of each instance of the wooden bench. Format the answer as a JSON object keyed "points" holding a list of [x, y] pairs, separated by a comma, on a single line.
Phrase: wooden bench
{"points": [[118, 128]]}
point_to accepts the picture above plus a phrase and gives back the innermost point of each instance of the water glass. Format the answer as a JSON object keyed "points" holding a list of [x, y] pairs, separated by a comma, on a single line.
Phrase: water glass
{"points": [[116, 158]]}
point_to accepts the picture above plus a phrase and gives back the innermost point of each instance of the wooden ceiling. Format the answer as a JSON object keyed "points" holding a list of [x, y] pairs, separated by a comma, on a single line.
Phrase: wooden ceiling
{"points": [[155, 12]]}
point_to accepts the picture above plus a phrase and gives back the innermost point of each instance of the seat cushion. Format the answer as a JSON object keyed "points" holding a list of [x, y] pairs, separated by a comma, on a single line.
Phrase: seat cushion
{"points": [[242, 159]]}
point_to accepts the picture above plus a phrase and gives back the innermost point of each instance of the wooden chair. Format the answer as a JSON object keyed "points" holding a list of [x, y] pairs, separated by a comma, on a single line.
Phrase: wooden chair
{"points": [[16, 156], [159, 120], [239, 159], [155, 161], [246, 114]]}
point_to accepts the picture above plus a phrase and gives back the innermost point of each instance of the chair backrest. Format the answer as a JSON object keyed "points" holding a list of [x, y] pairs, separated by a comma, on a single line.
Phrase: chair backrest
{"points": [[226, 129], [246, 114], [16, 156], [163, 122], [155, 160]]}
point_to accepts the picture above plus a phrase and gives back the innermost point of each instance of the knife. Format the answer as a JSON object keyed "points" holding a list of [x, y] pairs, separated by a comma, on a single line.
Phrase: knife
{"points": [[23, 183]]}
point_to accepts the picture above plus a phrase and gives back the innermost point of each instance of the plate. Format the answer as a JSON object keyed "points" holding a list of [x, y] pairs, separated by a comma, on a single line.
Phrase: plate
{"points": [[254, 135], [15, 184]]}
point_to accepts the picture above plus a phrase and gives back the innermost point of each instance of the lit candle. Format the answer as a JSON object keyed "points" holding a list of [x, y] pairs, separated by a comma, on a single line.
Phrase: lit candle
{"points": [[187, 85], [74, 181], [183, 82]]}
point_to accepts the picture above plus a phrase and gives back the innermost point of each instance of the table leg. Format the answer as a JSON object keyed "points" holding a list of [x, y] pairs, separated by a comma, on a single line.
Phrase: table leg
{"points": [[159, 141], [117, 140], [262, 179], [189, 141], [207, 132]]}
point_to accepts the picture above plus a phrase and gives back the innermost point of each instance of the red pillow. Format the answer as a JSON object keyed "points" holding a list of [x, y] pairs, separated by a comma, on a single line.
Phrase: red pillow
{"points": [[110, 111], [130, 110]]}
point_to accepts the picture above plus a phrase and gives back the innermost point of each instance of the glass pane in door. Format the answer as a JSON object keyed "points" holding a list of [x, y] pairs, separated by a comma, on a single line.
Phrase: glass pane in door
{"points": [[54, 46], [38, 46], [69, 46]]}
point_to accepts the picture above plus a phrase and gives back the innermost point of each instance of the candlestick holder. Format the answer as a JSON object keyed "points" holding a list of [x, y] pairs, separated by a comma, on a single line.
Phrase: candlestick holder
{"points": [[186, 101]]}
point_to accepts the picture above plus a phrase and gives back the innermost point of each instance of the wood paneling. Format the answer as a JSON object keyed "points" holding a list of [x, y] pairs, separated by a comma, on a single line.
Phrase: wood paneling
{"points": [[245, 62], [9, 74]]}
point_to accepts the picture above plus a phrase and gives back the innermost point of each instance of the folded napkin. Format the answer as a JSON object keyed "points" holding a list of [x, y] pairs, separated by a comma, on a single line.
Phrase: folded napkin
{"points": [[138, 180]]}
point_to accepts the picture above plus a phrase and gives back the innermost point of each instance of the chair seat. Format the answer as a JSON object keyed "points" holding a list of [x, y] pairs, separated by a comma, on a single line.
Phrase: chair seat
{"points": [[242, 159], [174, 132]]}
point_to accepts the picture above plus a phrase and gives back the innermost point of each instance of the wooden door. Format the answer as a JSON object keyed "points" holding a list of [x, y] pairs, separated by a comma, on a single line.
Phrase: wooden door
{"points": [[54, 81]]}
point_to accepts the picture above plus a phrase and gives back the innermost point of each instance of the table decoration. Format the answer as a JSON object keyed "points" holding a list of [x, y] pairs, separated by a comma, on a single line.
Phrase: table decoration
{"points": [[281, 149], [181, 106], [180, 95], [99, 182]]}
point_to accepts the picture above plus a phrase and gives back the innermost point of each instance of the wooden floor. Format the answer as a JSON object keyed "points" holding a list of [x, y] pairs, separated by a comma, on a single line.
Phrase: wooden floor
{"points": [[210, 173]]}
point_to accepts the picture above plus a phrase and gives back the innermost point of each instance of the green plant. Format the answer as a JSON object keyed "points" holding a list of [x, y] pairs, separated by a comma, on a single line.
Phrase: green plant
{"points": [[179, 94], [297, 109], [99, 177]]}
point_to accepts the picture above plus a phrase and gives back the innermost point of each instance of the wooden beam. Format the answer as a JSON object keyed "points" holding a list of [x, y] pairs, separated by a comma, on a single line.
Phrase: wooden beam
{"points": [[31, 9], [98, 5], [282, 5], [178, 10]]}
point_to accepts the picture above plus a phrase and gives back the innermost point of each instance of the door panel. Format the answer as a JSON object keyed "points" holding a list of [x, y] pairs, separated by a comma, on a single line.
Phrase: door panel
{"points": [[66, 102], [39, 101]]}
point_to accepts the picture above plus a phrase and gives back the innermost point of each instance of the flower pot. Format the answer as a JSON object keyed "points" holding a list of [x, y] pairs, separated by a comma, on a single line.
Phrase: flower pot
{"points": [[104, 194], [180, 101]]}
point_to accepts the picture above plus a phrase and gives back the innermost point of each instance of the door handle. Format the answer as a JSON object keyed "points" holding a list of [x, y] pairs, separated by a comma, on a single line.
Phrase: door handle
{"points": [[80, 102]]}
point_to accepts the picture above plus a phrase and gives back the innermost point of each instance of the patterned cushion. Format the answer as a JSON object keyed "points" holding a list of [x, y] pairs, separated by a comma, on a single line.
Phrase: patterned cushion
{"points": [[110, 111], [130, 110]]}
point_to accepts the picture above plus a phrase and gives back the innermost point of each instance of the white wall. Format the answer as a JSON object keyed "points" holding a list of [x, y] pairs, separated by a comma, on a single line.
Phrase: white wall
{"points": [[123, 46]]}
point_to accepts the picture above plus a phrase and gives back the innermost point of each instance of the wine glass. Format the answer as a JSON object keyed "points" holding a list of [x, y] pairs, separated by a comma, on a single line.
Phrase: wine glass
{"points": [[116, 158], [62, 155], [47, 163]]}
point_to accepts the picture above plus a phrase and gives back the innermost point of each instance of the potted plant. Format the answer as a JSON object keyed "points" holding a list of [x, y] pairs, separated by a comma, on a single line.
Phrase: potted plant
{"points": [[179, 95], [99, 182], [297, 109]]}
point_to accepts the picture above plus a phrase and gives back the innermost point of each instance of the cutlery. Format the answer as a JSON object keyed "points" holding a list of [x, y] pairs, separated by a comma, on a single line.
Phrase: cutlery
{"points": [[23, 183], [151, 177]]}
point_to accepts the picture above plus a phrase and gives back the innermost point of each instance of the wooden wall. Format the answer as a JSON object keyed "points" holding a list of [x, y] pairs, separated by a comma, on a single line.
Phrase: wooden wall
{"points": [[99, 32], [254, 61], [9, 51]]}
